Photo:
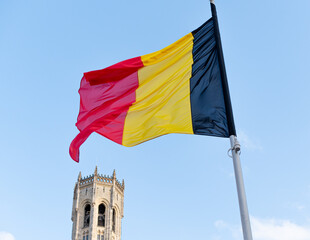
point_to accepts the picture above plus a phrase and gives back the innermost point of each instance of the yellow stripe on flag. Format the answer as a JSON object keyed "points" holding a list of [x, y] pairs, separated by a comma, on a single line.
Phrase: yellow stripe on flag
{"points": [[163, 97]]}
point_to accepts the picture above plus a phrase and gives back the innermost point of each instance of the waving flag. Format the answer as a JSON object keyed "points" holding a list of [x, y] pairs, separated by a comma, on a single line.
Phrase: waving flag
{"points": [[175, 90]]}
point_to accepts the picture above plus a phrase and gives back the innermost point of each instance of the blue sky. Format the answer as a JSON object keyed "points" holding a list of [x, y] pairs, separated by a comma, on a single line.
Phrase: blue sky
{"points": [[177, 186]]}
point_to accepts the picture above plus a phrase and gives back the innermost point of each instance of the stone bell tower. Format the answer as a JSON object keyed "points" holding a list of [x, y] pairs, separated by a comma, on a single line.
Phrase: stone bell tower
{"points": [[98, 207]]}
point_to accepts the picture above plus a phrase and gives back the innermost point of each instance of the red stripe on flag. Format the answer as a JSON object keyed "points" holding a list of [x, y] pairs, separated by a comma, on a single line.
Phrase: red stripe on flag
{"points": [[103, 107], [115, 72]]}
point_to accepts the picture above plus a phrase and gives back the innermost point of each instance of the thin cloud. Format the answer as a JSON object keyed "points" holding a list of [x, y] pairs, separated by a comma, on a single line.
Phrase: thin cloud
{"points": [[6, 236], [296, 205], [234, 230], [247, 142], [272, 229], [268, 229]]}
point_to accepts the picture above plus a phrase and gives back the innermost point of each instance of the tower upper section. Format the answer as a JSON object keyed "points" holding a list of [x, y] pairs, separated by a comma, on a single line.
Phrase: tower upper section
{"points": [[97, 210], [103, 179]]}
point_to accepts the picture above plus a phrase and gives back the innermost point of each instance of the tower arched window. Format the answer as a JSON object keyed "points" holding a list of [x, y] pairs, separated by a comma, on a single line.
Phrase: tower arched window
{"points": [[113, 220], [101, 215], [86, 215]]}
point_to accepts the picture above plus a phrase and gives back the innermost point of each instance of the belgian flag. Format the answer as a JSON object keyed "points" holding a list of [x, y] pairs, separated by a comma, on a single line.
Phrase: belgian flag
{"points": [[178, 89]]}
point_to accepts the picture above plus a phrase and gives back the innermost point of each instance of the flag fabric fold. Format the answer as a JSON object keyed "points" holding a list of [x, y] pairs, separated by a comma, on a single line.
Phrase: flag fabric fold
{"points": [[175, 90]]}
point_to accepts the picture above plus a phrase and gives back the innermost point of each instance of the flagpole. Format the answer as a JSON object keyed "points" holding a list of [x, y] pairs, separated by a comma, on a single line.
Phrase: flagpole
{"points": [[235, 146], [244, 213]]}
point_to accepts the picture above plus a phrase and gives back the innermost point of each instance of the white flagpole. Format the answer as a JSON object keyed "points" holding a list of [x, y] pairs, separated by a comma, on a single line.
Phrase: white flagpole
{"points": [[235, 146], [244, 213]]}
